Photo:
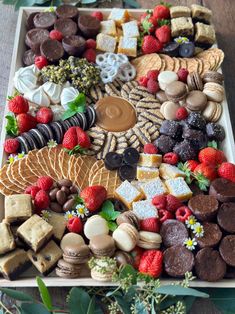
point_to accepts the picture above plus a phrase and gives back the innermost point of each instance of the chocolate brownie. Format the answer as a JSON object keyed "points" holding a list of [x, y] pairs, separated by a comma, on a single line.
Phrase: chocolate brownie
{"points": [[173, 232], [226, 217], [171, 128], [223, 190], [227, 249], [204, 207], [211, 237], [165, 143], [186, 150]]}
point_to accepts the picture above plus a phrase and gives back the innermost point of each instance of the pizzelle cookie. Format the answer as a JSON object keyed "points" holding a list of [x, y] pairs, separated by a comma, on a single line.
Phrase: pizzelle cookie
{"points": [[94, 168]]}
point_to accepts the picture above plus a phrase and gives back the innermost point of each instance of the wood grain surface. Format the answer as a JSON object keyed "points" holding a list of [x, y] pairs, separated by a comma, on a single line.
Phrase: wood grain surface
{"points": [[223, 19]]}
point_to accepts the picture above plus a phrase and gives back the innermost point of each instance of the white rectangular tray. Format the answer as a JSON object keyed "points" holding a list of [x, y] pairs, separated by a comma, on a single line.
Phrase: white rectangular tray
{"points": [[28, 278]]}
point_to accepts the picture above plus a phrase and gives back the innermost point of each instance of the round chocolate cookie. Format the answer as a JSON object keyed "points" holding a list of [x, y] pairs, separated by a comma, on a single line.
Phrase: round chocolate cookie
{"points": [[67, 11], [52, 50], [227, 249], [113, 161], [44, 20], [165, 143], [88, 25], [74, 45], [212, 235], [28, 57], [35, 37], [66, 26], [173, 232], [226, 217], [186, 150], [29, 21], [209, 265], [223, 190], [204, 207], [178, 260]]}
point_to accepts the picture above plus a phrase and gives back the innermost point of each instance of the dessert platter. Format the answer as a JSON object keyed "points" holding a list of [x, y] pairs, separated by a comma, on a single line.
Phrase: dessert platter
{"points": [[117, 148]]}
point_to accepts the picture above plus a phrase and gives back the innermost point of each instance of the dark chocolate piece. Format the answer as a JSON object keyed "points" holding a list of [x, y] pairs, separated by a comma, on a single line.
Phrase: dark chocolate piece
{"points": [[211, 237], [215, 132], [44, 20], [226, 217], [52, 50], [127, 172], [113, 160], [131, 156], [35, 37], [204, 207], [171, 128], [29, 21], [186, 150], [173, 232], [28, 57], [74, 45], [196, 137], [196, 120], [223, 190], [67, 11], [227, 249], [66, 26], [88, 25], [165, 143]]}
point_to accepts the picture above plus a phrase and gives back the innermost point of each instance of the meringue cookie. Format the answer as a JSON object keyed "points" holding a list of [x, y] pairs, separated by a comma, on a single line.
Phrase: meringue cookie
{"points": [[58, 112], [25, 79], [68, 94], [38, 97], [53, 91]]}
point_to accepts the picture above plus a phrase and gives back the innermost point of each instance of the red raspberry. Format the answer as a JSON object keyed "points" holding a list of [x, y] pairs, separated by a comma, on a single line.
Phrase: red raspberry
{"points": [[32, 190], [172, 203], [183, 213], [182, 75], [41, 201], [90, 43], [150, 148], [75, 225], [151, 263], [153, 74], [159, 201], [44, 115], [143, 81], [11, 145], [56, 35], [18, 104], [150, 224], [90, 55], [171, 158], [98, 15], [181, 113], [152, 86], [40, 62], [164, 215], [45, 183]]}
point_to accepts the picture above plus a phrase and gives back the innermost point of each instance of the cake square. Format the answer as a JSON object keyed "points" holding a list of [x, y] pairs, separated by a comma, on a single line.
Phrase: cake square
{"points": [[128, 46], [146, 173], [128, 194], [18, 207], [179, 188], [180, 11], [170, 172], [182, 26], [46, 260], [7, 242], [108, 27], [205, 34], [58, 223], [130, 29], [150, 160], [105, 42], [120, 16], [200, 13], [144, 209], [153, 187], [35, 232]]}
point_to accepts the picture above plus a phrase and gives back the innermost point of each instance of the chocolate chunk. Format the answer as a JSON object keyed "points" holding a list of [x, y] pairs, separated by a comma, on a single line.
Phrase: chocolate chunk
{"points": [[196, 120], [186, 150], [165, 143], [74, 45], [186, 50], [44, 20], [211, 237], [226, 217], [113, 161], [52, 50], [204, 207], [178, 260], [196, 137], [215, 132], [131, 156], [171, 128], [29, 21], [209, 265], [127, 172], [173, 232], [223, 190], [88, 25], [28, 57], [227, 249], [66, 26], [67, 11], [171, 49], [35, 37]]}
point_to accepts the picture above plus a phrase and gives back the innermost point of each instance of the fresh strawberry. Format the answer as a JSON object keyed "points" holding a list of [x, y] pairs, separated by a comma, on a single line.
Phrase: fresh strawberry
{"points": [[151, 263], [11, 145], [164, 215], [143, 16], [44, 115], [143, 81], [45, 183], [150, 224], [75, 225], [188, 168], [136, 254], [98, 15], [152, 86], [32, 190], [183, 213], [161, 12], [90, 55], [204, 173], [151, 44], [149, 24], [172, 203], [93, 197], [191, 164], [41, 201], [227, 171], [220, 157], [159, 201], [153, 74], [25, 122], [150, 148], [56, 35], [40, 62], [171, 158], [163, 34], [90, 43], [182, 75], [181, 113], [76, 140], [18, 104], [208, 156]]}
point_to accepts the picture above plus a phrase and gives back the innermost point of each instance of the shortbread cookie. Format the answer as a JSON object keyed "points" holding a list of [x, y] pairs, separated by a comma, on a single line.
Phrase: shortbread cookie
{"points": [[114, 88], [109, 146], [127, 87], [138, 93]]}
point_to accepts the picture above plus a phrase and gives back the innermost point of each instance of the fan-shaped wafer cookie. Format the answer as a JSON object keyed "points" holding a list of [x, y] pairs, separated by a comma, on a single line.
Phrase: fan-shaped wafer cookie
{"points": [[81, 179], [98, 164], [14, 176], [9, 185], [26, 173], [63, 159]]}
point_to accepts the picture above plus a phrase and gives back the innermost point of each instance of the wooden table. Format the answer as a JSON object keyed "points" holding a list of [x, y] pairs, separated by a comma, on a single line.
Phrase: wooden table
{"points": [[223, 18]]}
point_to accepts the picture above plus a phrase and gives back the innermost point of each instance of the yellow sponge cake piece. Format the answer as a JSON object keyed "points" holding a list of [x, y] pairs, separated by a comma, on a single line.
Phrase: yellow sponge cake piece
{"points": [[108, 27], [105, 42], [128, 46], [130, 29], [120, 16], [179, 188]]}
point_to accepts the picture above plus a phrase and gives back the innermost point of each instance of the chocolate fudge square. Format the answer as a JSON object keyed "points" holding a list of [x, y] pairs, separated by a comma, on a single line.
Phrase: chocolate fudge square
{"points": [[58, 223], [18, 207], [204, 34], [7, 242], [200, 13], [35, 232], [182, 26], [180, 11], [46, 260], [14, 263]]}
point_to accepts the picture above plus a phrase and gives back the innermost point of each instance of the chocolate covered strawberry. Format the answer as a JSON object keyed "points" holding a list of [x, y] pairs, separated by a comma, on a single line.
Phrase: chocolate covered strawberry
{"points": [[76, 140], [93, 197]]}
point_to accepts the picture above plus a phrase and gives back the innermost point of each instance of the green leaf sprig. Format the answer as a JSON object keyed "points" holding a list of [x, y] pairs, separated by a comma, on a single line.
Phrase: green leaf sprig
{"points": [[44, 293], [11, 127], [109, 214], [75, 106]]}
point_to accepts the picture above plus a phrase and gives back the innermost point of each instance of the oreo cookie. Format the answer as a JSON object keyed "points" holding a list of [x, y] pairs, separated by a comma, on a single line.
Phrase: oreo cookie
{"points": [[46, 131], [131, 156], [90, 115], [31, 141], [113, 161], [38, 137], [57, 130], [83, 121], [73, 121], [127, 172], [24, 146], [66, 125]]}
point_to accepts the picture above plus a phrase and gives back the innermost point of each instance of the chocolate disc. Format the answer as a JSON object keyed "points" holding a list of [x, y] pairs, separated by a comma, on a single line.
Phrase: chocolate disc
{"points": [[131, 156], [223, 190], [88, 25], [226, 217], [29, 22], [52, 50], [35, 37], [204, 207], [66, 26], [28, 57], [127, 172], [44, 20], [113, 161], [66, 11], [74, 45], [211, 237]]}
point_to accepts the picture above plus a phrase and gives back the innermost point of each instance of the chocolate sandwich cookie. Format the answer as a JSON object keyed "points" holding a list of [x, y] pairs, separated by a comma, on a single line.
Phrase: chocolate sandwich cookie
{"points": [[97, 137], [196, 100], [176, 91], [130, 218], [88, 25], [131, 156], [67, 11], [57, 131], [44, 20], [178, 260], [113, 160], [194, 81], [28, 57], [211, 237], [24, 145], [35, 37], [171, 128], [204, 207], [90, 115], [173, 232], [52, 50], [67, 27], [161, 96], [196, 137], [196, 120], [226, 217], [97, 92], [46, 131], [186, 150], [215, 132], [66, 125], [138, 93], [227, 249], [127, 172], [67, 270], [114, 88], [74, 121], [209, 265], [31, 141], [127, 87], [109, 146], [38, 137], [223, 190], [213, 76], [29, 21], [165, 143], [82, 120]]}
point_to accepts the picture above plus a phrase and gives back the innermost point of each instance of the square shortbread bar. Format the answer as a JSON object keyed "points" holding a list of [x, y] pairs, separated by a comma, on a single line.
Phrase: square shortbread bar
{"points": [[128, 194], [182, 26], [179, 188]]}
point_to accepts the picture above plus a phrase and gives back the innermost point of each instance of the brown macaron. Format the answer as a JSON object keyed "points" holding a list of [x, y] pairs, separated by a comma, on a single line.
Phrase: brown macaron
{"points": [[130, 218], [67, 270], [194, 81], [196, 100], [123, 258], [102, 245], [76, 254], [213, 76], [176, 91]]}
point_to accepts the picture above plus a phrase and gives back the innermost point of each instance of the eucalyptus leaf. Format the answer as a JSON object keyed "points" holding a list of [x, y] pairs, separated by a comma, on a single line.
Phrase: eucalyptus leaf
{"points": [[140, 308], [179, 290], [33, 308], [114, 293], [188, 301], [132, 3], [88, 1], [169, 301], [79, 301], [91, 307], [16, 294], [125, 306], [128, 270], [44, 293]]}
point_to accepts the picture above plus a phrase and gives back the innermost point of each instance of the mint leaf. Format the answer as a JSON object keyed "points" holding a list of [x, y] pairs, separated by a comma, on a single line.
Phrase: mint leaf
{"points": [[75, 106], [11, 127], [68, 114], [213, 144], [108, 212], [112, 225]]}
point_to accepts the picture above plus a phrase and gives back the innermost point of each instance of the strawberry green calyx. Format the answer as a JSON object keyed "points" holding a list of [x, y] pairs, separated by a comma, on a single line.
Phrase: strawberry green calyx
{"points": [[164, 22], [16, 93], [202, 182], [77, 149], [11, 127], [147, 25], [185, 168], [166, 4], [213, 144]]}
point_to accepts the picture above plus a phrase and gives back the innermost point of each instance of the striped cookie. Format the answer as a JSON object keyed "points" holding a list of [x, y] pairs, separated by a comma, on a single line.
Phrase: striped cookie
{"points": [[122, 143], [142, 134], [97, 136], [109, 146], [146, 104], [97, 92], [127, 87], [138, 93], [133, 140], [114, 88], [153, 115]]}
